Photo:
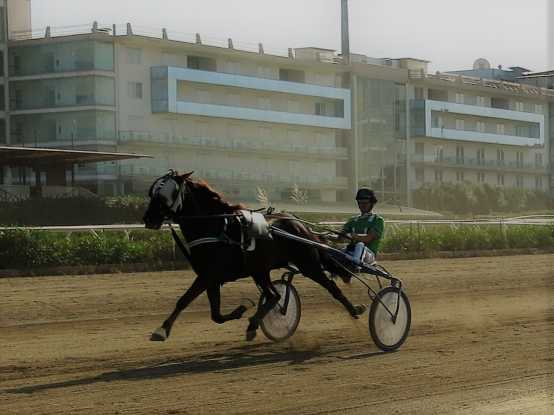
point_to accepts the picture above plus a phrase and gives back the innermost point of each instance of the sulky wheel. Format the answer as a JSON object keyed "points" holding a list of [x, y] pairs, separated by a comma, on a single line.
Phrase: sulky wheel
{"points": [[387, 334], [279, 324]]}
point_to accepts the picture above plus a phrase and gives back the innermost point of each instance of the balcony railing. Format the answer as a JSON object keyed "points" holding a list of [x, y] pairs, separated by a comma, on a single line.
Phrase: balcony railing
{"points": [[478, 163], [249, 178], [237, 145]]}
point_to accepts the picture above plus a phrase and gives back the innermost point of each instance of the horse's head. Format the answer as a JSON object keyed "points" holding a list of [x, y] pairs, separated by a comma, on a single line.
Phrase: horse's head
{"points": [[166, 199]]}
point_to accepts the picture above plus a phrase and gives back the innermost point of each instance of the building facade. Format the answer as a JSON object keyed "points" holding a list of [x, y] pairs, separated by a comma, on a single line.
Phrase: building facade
{"points": [[482, 131], [245, 120]]}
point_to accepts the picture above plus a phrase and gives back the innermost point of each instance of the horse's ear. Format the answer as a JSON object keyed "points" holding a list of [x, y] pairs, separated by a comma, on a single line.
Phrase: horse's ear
{"points": [[181, 178]]}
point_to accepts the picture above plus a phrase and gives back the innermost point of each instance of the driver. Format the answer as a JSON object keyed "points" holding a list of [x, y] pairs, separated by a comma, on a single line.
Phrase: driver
{"points": [[364, 231]]}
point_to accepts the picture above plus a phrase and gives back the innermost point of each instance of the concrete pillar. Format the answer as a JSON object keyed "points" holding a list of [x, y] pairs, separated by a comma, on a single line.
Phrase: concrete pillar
{"points": [[354, 133], [7, 174], [409, 176], [345, 36]]}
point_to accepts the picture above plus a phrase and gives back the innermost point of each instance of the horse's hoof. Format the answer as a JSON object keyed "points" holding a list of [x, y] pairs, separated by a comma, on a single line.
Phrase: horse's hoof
{"points": [[250, 335], [247, 303], [360, 309], [159, 335]]}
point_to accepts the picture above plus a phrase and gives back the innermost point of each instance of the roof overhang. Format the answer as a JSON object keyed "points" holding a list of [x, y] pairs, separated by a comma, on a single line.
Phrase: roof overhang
{"points": [[34, 156]]}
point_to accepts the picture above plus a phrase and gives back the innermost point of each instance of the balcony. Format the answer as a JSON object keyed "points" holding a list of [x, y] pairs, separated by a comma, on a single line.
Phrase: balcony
{"points": [[452, 80], [237, 145], [245, 178], [165, 98], [422, 123], [477, 164]]}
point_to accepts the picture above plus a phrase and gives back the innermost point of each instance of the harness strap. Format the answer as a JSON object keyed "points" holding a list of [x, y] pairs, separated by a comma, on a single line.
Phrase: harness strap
{"points": [[182, 246], [203, 241]]}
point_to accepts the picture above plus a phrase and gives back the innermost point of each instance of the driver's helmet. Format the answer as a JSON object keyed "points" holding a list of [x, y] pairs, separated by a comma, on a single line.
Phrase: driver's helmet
{"points": [[366, 194]]}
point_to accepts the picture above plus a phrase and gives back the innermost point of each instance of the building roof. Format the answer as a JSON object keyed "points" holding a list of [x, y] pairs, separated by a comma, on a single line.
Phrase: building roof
{"points": [[33, 156], [537, 74]]}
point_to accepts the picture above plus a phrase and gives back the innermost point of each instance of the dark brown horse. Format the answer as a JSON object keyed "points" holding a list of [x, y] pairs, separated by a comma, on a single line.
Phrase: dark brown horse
{"points": [[203, 215]]}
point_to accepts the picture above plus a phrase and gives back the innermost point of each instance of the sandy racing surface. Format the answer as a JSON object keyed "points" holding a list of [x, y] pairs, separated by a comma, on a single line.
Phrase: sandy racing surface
{"points": [[481, 343]]}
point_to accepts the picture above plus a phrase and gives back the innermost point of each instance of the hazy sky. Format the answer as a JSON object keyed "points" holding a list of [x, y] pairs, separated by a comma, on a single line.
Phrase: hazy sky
{"points": [[451, 34]]}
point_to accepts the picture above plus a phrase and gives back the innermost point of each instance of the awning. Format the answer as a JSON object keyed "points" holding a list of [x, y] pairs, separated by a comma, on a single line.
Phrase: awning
{"points": [[33, 156]]}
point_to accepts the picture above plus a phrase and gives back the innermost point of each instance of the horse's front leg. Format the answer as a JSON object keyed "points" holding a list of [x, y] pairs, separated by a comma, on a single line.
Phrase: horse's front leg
{"points": [[197, 288], [214, 295], [271, 296]]}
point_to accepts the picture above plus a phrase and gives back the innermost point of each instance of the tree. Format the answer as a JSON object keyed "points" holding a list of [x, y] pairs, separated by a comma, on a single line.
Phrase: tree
{"points": [[262, 197], [298, 196]]}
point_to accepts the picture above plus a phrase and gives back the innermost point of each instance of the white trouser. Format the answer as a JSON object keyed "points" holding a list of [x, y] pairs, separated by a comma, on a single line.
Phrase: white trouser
{"points": [[360, 254]]}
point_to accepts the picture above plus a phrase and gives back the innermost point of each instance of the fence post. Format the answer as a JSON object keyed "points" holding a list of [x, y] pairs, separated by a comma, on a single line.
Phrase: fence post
{"points": [[418, 236]]}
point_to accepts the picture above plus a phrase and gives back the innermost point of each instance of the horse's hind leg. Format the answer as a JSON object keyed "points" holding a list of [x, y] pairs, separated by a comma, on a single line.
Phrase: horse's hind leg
{"points": [[214, 295], [329, 285], [197, 288], [271, 296]]}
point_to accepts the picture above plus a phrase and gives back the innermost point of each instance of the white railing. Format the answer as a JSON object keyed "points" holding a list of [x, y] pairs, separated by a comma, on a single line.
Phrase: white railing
{"points": [[146, 31], [535, 220], [232, 144]]}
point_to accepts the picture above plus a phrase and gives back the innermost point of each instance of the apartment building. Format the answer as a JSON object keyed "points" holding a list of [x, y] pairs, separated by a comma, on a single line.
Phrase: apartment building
{"points": [[244, 118], [467, 128], [240, 119]]}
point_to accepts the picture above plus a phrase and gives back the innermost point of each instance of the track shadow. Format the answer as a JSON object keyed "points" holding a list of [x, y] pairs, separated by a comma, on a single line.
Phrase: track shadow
{"points": [[235, 358]]}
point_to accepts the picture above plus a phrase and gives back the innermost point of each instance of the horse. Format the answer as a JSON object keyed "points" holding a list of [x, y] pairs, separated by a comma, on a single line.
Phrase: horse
{"points": [[212, 230]]}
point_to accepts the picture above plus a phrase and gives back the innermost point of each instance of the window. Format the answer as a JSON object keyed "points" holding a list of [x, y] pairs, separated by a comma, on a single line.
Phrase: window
{"points": [[481, 101], [265, 72], [233, 99], [202, 63], [459, 176], [500, 180], [264, 103], [481, 177], [519, 159], [232, 67], [460, 154], [522, 131], [499, 128], [419, 174], [459, 124], [439, 153], [500, 157], [134, 56], [438, 176], [437, 121], [293, 106], [459, 98], [135, 90], [538, 159], [291, 75], [480, 126], [320, 108], [538, 182], [203, 96], [519, 182], [481, 156]]}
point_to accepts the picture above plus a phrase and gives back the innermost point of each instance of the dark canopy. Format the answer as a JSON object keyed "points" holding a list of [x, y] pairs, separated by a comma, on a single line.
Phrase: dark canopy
{"points": [[32, 156]]}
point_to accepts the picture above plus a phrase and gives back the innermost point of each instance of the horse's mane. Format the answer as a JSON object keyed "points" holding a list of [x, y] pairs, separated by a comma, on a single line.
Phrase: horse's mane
{"points": [[211, 194]]}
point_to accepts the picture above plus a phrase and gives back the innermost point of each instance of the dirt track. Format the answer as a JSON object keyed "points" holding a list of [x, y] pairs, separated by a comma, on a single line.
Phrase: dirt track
{"points": [[481, 343]]}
